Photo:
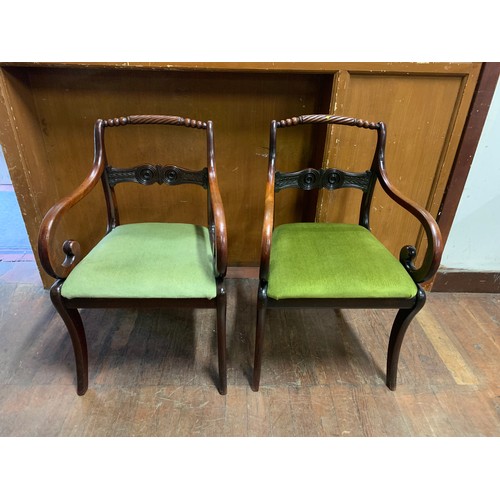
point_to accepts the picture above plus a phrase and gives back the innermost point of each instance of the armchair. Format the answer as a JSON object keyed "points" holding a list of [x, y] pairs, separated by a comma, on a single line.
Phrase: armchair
{"points": [[194, 258], [340, 265]]}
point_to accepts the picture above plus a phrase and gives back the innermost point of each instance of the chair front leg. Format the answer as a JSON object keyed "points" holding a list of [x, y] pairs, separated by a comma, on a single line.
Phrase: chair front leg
{"points": [[74, 324], [259, 334], [399, 327]]}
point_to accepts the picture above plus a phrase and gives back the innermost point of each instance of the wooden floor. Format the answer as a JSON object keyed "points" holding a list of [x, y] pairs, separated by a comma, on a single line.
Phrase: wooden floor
{"points": [[152, 372]]}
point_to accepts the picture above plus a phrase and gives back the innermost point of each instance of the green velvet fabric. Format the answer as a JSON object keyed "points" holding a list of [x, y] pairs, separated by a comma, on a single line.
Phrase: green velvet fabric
{"points": [[149, 260], [320, 260]]}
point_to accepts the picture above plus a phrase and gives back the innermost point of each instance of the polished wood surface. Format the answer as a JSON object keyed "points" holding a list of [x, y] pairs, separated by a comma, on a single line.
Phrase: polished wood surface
{"points": [[323, 375], [50, 107]]}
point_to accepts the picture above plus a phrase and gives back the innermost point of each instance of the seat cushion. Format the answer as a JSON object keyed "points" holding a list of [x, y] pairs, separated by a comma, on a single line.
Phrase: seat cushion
{"points": [[149, 260], [322, 260]]}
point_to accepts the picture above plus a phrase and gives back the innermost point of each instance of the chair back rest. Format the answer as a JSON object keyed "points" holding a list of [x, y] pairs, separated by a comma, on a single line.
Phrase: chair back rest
{"points": [[148, 174], [329, 178]]}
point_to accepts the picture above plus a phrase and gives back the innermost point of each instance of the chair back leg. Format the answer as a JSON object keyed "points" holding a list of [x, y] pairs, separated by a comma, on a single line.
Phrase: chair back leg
{"points": [[74, 324], [221, 336], [399, 327]]}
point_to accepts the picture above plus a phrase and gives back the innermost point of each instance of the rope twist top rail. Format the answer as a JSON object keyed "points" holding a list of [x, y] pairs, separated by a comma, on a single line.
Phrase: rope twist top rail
{"points": [[154, 120], [332, 119]]}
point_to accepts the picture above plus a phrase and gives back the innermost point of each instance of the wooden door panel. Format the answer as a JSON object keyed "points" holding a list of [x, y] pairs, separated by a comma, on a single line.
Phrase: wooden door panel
{"points": [[421, 113]]}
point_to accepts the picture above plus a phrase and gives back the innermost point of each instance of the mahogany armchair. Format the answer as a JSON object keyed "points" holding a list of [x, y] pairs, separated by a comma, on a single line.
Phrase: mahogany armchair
{"points": [[340, 265], [194, 257]]}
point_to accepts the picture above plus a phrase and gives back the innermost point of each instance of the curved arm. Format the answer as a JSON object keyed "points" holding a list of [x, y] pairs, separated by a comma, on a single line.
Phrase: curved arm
{"points": [[268, 225], [51, 220], [434, 241], [216, 210]]}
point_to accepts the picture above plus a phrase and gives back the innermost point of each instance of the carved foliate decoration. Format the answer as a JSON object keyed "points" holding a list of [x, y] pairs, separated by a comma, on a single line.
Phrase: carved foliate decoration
{"points": [[329, 178], [151, 174]]}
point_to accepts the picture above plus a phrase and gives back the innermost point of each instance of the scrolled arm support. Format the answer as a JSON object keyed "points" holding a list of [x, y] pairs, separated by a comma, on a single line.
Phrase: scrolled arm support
{"points": [[408, 253], [70, 248], [73, 253]]}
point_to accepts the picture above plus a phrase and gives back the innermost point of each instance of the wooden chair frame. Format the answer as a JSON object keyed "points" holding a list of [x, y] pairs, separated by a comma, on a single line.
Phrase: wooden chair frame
{"points": [[143, 174], [334, 179]]}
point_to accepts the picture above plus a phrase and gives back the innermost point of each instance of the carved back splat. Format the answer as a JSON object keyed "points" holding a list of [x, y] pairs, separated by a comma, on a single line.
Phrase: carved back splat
{"points": [[328, 178], [161, 174]]}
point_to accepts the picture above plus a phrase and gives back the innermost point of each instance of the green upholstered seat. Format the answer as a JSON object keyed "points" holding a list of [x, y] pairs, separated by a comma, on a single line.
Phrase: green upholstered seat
{"points": [[147, 260], [322, 260]]}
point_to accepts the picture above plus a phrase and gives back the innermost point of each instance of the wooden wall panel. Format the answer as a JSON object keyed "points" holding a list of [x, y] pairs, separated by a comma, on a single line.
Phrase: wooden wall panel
{"points": [[48, 111], [67, 101]]}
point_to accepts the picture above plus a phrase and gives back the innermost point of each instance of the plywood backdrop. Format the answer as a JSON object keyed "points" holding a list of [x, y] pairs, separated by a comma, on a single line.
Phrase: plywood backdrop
{"points": [[47, 112]]}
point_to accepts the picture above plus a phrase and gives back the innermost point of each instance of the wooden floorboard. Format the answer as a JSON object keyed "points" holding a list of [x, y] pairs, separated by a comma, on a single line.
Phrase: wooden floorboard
{"points": [[153, 372]]}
